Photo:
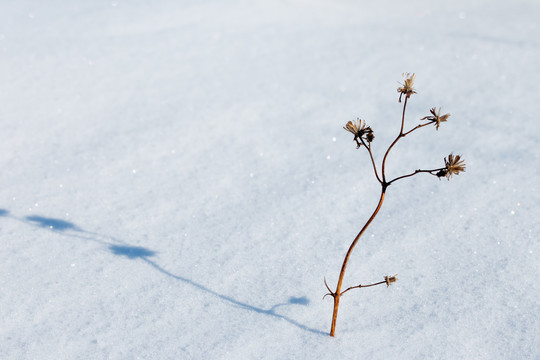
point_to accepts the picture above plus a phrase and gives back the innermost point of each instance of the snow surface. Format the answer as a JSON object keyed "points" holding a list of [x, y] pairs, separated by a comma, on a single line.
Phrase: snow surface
{"points": [[176, 182]]}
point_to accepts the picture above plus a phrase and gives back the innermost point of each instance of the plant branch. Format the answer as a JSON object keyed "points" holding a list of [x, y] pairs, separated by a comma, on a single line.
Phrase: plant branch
{"points": [[368, 147], [337, 294], [403, 115], [416, 127], [432, 172], [400, 135], [330, 291], [361, 286]]}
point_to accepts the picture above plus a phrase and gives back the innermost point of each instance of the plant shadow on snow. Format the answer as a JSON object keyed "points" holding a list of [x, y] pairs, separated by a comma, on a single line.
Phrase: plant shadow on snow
{"points": [[270, 312], [121, 248], [131, 252], [299, 300], [51, 223]]}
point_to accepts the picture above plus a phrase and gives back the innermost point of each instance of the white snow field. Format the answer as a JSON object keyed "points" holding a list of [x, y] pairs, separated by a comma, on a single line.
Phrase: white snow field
{"points": [[176, 182]]}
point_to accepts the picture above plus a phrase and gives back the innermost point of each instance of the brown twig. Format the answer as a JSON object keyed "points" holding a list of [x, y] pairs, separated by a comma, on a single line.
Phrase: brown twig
{"points": [[363, 136], [400, 135], [362, 286], [432, 172], [415, 128], [368, 147], [337, 294]]}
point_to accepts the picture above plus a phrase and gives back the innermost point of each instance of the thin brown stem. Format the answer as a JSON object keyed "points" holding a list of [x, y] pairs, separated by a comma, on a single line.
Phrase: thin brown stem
{"points": [[400, 135], [368, 147], [362, 286], [432, 172], [403, 115], [337, 294], [415, 128]]}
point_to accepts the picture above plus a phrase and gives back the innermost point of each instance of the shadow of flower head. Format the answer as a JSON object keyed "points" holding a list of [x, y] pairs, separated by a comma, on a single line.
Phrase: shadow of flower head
{"points": [[131, 252], [299, 300], [55, 224], [3, 212]]}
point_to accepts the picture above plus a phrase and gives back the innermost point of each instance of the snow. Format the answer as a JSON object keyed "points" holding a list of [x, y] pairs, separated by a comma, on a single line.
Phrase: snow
{"points": [[176, 181]]}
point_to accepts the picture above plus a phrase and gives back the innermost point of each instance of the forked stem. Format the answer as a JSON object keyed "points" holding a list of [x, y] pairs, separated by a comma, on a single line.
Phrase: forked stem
{"points": [[337, 294], [400, 135], [363, 136]]}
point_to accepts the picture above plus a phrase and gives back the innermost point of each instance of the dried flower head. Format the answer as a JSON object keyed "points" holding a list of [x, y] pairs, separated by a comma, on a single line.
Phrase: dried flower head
{"points": [[390, 279], [453, 166], [407, 87], [436, 117], [360, 131]]}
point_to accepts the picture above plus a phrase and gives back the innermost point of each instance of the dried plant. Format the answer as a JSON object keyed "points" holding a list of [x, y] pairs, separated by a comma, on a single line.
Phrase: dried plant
{"points": [[363, 137]]}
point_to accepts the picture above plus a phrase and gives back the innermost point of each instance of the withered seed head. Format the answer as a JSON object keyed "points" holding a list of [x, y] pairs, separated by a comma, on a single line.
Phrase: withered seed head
{"points": [[407, 87], [360, 131], [370, 136], [355, 127], [453, 166], [390, 279], [436, 117]]}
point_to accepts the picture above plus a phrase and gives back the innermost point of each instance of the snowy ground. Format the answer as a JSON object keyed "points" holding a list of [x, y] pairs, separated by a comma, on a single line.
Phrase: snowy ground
{"points": [[176, 181]]}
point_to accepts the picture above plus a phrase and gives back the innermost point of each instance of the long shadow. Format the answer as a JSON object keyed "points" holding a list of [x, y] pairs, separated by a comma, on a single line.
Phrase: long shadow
{"points": [[53, 224], [271, 312], [121, 248]]}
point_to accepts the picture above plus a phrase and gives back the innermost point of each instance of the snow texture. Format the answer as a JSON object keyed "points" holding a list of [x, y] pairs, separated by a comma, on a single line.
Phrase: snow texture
{"points": [[176, 182]]}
